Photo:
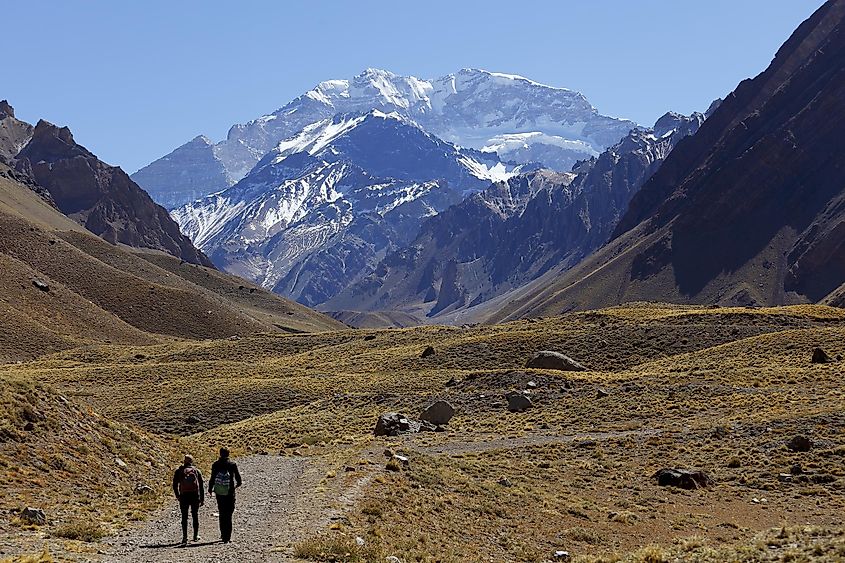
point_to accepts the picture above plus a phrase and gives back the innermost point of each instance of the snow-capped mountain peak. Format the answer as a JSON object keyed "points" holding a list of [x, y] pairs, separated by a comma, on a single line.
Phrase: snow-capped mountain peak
{"points": [[471, 108]]}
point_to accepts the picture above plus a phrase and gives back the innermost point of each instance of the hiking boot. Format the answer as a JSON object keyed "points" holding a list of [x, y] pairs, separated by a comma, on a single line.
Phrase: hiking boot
{"points": [[196, 537], [184, 540]]}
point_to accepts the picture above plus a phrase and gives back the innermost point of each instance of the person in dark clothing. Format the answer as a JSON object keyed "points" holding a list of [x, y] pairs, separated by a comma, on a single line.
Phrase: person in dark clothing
{"points": [[225, 478], [190, 492]]}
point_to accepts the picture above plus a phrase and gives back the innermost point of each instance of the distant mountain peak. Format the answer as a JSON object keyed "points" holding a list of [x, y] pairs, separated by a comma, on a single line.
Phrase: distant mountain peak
{"points": [[201, 140]]}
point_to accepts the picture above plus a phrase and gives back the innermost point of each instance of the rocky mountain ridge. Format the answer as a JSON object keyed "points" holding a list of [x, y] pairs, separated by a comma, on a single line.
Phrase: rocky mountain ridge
{"points": [[748, 211], [322, 208], [515, 231]]}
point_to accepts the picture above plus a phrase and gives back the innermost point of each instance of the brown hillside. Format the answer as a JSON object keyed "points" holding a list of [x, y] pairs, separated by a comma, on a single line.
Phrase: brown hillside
{"points": [[98, 292]]}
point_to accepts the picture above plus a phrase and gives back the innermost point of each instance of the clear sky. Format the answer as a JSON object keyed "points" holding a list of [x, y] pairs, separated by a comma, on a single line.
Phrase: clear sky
{"points": [[135, 79]]}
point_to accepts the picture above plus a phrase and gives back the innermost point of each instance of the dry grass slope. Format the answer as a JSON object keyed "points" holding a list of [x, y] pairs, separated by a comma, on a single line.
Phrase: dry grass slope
{"points": [[100, 293]]}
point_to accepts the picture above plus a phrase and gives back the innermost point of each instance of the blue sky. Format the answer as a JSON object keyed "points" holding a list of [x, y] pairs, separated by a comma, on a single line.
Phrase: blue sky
{"points": [[134, 80]]}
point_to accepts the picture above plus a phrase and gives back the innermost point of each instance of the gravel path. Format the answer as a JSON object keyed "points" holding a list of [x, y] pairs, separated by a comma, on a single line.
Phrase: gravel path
{"points": [[276, 507], [497, 443]]}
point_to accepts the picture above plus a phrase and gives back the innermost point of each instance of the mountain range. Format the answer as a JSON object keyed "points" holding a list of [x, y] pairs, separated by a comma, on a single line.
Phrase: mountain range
{"points": [[483, 196], [516, 230], [519, 119], [321, 209]]}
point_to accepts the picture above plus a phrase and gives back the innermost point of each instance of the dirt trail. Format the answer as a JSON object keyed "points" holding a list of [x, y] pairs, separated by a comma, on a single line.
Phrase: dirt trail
{"points": [[277, 506]]}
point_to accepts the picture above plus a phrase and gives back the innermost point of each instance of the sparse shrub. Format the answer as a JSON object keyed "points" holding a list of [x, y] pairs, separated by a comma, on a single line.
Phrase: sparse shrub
{"points": [[651, 554], [734, 462], [372, 509], [44, 557], [583, 535], [81, 531], [337, 548], [623, 517]]}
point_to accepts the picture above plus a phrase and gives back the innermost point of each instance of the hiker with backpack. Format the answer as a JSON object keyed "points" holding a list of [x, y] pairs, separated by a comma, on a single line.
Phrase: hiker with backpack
{"points": [[225, 478], [190, 492]]}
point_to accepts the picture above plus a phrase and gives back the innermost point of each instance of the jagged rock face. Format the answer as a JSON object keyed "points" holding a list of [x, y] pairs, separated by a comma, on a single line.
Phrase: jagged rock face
{"points": [[516, 230], [14, 134], [99, 196], [521, 120], [202, 172], [769, 164], [321, 210]]}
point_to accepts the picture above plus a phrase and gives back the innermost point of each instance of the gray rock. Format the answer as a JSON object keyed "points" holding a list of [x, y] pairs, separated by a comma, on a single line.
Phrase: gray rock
{"points": [[429, 351], [800, 444], [439, 413], [517, 402], [395, 424], [142, 489], [392, 559], [546, 359], [41, 285], [683, 479], [119, 462], [34, 516]]}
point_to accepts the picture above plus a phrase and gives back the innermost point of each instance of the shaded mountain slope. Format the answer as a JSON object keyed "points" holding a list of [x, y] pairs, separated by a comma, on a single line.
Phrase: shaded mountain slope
{"points": [[99, 196], [747, 211], [515, 231]]}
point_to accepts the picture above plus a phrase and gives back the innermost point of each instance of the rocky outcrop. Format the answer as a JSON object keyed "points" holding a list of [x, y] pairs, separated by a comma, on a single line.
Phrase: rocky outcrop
{"points": [[546, 359], [14, 133], [438, 413], [101, 197], [683, 479]]}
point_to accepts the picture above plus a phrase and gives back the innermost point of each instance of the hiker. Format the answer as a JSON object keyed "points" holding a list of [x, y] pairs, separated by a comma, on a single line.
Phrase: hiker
{"points": [[225, 478], [190, 492]]}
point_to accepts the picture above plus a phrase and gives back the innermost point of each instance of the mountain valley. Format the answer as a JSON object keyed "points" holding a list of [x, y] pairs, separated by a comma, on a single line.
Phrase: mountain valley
{"points": [[469, 318]]}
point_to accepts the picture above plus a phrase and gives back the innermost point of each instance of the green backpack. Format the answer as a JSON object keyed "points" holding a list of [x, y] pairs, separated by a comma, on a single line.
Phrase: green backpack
{"points": [[222, 483]]}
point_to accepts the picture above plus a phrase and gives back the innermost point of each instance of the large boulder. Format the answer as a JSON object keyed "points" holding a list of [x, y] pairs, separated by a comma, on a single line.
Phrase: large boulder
{"points": [[683, 479], [438, 413], [546, 359], [820, 356], [518, 402]]}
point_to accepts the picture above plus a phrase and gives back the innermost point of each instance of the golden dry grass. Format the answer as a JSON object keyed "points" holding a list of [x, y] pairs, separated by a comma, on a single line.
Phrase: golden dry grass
{"points": [[717, 389]]}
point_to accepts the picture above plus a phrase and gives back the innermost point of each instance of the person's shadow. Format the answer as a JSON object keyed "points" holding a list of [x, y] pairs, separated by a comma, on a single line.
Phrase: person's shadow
{"points": [[179, 545]]}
